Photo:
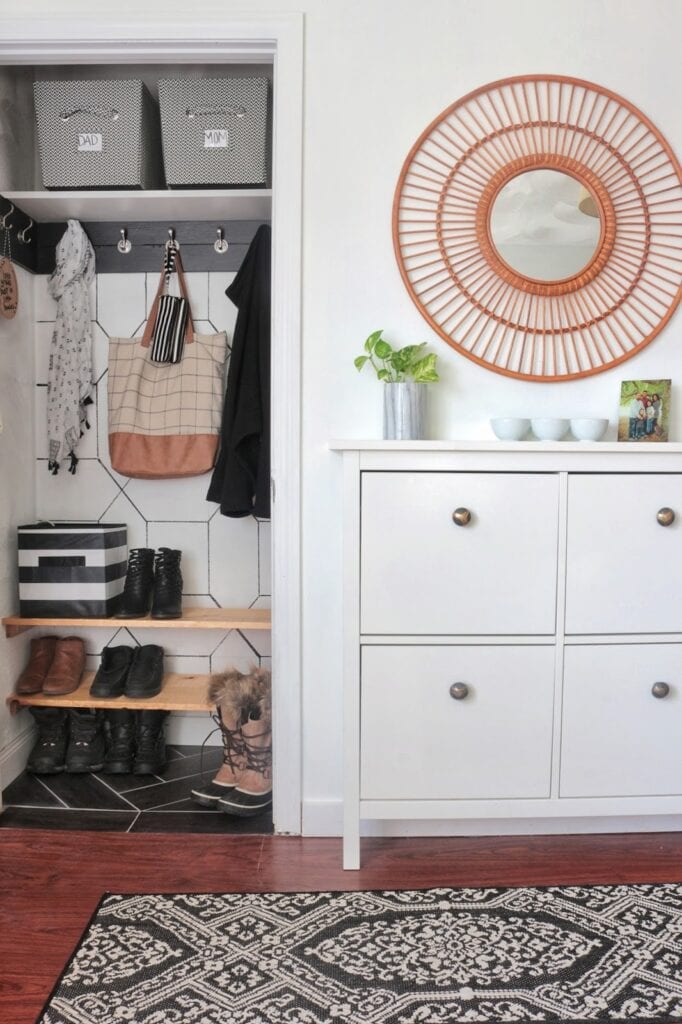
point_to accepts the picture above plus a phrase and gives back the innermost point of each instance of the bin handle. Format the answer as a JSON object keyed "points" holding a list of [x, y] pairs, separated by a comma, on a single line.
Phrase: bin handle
{"points": [[111, 112], [232, 110]]}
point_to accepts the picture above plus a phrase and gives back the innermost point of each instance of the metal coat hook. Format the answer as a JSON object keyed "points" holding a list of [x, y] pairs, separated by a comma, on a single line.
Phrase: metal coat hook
{"points": [[3, 221], [221, 244], [172, 242], [23, 235], [124, 244]]}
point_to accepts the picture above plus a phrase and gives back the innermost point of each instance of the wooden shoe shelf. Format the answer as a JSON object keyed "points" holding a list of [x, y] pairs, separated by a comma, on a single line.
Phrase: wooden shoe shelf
{"points": [[179, 693]]}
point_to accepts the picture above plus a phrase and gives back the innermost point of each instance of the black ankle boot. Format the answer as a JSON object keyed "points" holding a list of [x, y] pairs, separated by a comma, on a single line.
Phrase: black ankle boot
{"points": [[119, 735], [136, 599], [48, 753], [85, 752], [150, 742], [167, 602]]}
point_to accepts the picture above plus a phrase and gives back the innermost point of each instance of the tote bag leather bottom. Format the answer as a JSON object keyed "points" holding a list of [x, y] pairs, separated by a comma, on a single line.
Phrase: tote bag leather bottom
{"points": [[161, 456]]}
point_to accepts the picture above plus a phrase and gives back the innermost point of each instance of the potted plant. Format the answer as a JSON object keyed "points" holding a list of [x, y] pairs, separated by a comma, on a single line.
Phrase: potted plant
{"points": [[405, 372]]}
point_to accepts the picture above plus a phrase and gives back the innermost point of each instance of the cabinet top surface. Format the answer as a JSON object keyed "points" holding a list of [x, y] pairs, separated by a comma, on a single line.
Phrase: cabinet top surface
{"points": [[517, 447]]}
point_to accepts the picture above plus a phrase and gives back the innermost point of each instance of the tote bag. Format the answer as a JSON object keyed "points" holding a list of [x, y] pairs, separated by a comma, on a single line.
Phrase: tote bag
{"points": [[164, 420]]}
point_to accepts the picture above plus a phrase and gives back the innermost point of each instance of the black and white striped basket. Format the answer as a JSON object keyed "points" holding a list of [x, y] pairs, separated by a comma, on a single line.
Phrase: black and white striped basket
{"points": [[71, 570], [215, 131], [98, 134]]}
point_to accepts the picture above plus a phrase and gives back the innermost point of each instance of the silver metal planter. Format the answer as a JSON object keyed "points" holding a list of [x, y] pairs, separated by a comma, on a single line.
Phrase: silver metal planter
{"points": [[404, 411]]}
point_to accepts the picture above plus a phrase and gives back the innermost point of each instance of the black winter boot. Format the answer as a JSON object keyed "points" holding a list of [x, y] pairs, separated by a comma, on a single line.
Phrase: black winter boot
{"points": [[48, 753], [136, 599], [150, 742], [85, 752], [119, 735], [167, 602], [145, 677]]}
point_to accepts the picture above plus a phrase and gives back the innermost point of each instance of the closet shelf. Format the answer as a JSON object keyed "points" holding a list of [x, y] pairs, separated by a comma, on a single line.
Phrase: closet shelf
{"points": [[179, 693], [192, 618], [142, 205]]}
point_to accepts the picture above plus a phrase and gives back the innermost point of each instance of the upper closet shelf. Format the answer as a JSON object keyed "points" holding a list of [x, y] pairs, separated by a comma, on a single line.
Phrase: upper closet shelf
{"points": [[161, 205]]}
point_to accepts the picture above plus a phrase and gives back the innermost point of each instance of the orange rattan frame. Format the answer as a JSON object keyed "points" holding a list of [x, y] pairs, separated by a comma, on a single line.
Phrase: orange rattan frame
{"points": [[516, 325]]}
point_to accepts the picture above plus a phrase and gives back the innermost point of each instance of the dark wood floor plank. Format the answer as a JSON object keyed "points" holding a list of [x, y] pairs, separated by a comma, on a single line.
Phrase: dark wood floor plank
{"points": [[50, 882]]}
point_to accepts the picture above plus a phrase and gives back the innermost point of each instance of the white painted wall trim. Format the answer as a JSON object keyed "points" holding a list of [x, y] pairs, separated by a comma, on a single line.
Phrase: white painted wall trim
{"points": [[250, 38], [14, 756]]}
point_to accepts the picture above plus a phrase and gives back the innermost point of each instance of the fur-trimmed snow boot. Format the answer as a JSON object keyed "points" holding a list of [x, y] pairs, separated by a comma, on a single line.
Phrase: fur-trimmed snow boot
{"points": [[240, 699]]}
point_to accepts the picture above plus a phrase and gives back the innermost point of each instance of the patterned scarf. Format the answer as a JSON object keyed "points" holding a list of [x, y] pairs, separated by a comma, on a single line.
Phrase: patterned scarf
{"points": [[70, 373]]}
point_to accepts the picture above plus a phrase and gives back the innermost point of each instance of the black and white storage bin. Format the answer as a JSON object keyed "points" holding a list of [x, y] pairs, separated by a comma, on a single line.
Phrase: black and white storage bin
{"points": [[98, 134], [216, 131], [71, 570]]}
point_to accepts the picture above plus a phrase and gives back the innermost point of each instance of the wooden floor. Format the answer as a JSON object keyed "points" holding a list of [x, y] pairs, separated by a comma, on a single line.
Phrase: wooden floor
{"points": [[50, 882]]}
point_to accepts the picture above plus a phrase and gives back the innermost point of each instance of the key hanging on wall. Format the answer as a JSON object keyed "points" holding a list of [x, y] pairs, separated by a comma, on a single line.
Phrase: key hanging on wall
{"points": [[9, 289]]}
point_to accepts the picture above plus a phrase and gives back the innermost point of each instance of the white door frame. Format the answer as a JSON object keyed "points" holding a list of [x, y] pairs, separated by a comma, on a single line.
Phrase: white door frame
{"points": [[242, 38]]}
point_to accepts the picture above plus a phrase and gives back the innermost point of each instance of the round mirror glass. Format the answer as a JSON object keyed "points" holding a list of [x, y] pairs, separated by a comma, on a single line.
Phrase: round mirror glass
{"points": [[545, 225]]}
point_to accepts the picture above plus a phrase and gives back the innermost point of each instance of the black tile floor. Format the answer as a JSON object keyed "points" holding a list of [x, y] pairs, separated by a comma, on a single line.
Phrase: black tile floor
{"points": [[125, 803]]}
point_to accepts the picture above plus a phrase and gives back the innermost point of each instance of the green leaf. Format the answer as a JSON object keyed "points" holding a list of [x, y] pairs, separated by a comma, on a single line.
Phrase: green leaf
{"points": [[372, 340], [360, 361], [382, 350], [424, 370], [383, 374]]}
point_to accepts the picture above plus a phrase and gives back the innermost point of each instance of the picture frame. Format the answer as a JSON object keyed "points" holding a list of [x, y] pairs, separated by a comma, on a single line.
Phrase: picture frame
{"points": [[644, 411]]}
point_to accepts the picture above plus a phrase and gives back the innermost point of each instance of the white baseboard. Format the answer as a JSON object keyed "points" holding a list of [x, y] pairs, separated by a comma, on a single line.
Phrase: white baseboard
{"points": [[325, 818], [14, 756]]}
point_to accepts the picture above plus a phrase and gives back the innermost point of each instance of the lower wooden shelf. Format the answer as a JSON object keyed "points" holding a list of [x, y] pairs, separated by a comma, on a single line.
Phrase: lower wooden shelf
{"points": [[179, 693]]}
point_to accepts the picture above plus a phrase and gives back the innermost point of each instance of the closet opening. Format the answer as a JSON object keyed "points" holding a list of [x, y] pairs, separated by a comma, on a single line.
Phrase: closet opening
{"points": [[220, 649]]}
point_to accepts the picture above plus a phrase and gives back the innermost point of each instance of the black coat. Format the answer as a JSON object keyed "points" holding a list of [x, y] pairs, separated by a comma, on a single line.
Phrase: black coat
{"points": [[241, 476]]}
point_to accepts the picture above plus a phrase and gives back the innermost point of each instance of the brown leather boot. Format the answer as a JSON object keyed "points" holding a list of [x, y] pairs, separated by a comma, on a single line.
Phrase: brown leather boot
{"points": [[67, 666], [42, 652]]}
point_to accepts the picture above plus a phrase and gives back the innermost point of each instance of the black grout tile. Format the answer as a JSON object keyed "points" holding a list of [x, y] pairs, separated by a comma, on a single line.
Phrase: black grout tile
{"points": [[184, 749], [214, 823], [28, 791], [123, 783], [192, 764], [63, 818], [165, 792], [85, 790]]}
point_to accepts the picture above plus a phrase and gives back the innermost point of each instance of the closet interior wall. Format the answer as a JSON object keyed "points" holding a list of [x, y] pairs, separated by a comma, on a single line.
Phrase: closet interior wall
{"points": [[226, 562]]}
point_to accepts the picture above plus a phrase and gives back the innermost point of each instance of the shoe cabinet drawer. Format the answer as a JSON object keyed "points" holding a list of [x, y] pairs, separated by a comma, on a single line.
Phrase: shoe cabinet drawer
{"points": [[489, 570], [456, 722], [622, 720], [624, 553]]}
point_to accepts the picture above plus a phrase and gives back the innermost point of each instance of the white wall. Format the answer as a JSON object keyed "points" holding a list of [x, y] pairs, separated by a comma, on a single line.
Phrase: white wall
{"points": [[17, 505], [376, 73]]}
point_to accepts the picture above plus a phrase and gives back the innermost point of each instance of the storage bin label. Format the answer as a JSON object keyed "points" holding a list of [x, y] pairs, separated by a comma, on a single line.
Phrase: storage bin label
{"points": [[215, 138], [89, 142]]}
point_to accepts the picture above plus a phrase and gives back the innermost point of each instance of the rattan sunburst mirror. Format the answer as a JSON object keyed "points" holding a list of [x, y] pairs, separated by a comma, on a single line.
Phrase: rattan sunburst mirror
{"points": [[537, 224]]}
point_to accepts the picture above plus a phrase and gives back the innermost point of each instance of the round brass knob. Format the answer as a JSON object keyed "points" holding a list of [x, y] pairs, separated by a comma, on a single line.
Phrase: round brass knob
{"points": [[458, 691], [665, 516], [660, 689], [461, 517]]}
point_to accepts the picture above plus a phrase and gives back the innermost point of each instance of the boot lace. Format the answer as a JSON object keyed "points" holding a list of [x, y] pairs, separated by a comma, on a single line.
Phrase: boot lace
{"points": [[233, 745], [139, 567], [259, 759], [167, 572]]}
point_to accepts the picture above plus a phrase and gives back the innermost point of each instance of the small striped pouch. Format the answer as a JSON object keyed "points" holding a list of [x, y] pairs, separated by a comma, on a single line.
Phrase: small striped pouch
{"points": [[168, 340]]}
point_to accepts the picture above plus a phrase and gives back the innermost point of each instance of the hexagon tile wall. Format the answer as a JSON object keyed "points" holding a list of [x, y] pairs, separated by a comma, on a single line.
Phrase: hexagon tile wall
{"points": [[226, 562]]}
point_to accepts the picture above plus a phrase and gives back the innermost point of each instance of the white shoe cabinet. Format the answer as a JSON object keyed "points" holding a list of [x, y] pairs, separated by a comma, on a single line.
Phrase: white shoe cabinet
{"points": [[513, 634]]}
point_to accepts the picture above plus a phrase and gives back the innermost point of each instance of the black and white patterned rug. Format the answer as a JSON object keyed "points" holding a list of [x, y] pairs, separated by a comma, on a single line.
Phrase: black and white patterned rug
{"points": [[587, 953]]}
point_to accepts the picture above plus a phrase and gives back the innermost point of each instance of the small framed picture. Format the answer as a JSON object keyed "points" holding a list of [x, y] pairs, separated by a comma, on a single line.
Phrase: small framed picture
{"points": [[644, 412]]}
